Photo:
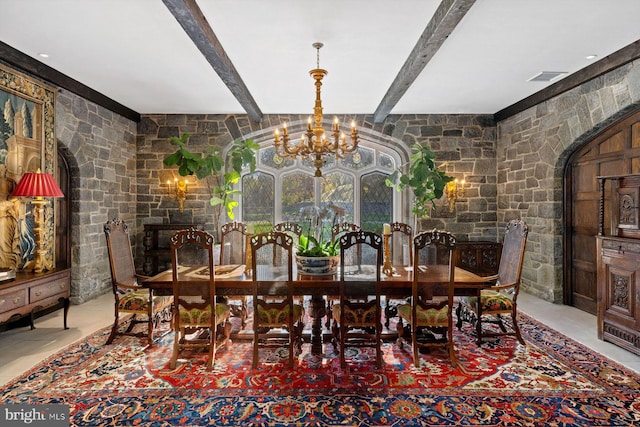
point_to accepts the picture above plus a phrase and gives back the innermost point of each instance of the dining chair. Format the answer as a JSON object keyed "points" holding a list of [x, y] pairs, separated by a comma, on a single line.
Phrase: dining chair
{"points": [[349, 264], [233, 250], [429, 316], [341, 228], [501, 298], [198, 318], [291, 228], [401, 253], [130, 296], [357, 315], [277, 321]]}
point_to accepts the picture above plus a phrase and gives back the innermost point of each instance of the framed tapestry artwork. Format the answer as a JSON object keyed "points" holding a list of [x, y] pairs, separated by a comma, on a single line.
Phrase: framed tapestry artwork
{"points": [[27, 142]]}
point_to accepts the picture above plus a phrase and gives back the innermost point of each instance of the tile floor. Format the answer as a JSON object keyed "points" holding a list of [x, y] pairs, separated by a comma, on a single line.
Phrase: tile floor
{"points": [[22, 348]]}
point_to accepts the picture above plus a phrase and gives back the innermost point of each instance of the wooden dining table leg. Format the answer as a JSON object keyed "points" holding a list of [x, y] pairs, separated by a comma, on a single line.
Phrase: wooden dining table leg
{"points": [[317, 311]]}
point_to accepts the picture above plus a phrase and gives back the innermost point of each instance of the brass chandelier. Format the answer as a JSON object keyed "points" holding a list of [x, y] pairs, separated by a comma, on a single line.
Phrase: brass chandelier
{"points": [[314, 144]]}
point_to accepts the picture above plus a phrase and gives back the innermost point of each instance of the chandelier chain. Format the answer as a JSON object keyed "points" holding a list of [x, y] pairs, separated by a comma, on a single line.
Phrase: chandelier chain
{"points": [[316, 144]]}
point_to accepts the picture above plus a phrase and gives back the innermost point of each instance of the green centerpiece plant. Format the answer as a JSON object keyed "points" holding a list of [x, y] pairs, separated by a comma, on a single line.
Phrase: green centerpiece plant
{"points": [[210, 167], [315, 253]]}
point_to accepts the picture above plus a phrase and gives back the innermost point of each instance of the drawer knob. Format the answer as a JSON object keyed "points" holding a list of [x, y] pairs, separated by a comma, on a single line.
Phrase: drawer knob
{"points": [[16, 301], [38, 293]]}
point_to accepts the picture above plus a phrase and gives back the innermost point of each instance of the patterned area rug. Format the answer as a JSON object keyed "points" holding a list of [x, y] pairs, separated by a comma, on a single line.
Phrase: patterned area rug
{"points": [[552, 381]]}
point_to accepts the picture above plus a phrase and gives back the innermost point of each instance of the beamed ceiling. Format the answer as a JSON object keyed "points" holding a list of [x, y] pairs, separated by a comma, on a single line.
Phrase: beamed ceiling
{"points": [[254, 56]]}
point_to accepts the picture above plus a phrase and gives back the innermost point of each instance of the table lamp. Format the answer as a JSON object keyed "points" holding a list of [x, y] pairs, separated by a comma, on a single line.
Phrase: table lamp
{"points": [[38, 185]]}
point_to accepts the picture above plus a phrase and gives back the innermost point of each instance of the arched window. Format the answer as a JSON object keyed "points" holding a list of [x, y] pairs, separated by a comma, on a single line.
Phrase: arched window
{"points": [[283, 189]]}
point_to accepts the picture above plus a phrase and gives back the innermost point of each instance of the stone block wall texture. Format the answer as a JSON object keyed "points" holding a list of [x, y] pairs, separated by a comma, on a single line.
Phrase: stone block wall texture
{"points": [[513, 169], [532, 151], [102, 148], [466, 143]]}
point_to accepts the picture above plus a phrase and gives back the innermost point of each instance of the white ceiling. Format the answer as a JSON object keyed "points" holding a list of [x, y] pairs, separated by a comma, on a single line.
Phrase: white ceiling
{"points": [[135, 52]]}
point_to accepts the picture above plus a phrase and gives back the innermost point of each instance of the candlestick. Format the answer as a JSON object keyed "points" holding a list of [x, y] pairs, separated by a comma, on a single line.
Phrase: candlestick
{"points": [[387, 268], [248, 262]]}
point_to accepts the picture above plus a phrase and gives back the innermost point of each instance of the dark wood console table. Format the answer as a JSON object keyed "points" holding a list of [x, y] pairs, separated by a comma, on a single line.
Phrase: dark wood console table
{"points": [[157, 255], [30, 294]]}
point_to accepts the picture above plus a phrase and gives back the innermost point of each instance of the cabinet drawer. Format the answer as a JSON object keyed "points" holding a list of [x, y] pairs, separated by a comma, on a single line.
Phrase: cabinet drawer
{"points": [[45, 290], [13, 299]]}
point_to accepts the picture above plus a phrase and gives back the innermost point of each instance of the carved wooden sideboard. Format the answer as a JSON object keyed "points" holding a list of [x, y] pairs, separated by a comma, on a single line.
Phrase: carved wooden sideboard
{"points": [[618, 250], [30, 294], [157, 255], [481, 257]]}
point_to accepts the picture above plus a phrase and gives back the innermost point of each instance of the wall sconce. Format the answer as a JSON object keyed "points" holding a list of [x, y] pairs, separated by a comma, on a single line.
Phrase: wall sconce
{"points": [[38, 186], [178, 190], [454, 190]]}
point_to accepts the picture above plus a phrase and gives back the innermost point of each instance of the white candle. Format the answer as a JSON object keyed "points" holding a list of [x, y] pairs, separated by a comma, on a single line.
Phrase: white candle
{"points": [[250, 229], [386, 229]]}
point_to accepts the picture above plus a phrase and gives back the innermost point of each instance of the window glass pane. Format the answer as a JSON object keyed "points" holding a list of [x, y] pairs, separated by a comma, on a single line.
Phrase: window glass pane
{"points": [[386, 162], [376, 202], [258, 200], [362, 158], [337, 188], [297, 193], [337, 195], [268, 158]]}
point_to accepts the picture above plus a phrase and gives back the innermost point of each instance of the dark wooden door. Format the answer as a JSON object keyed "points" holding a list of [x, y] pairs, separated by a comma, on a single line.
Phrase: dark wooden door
{"points": [[614, 151], [63, 216]]}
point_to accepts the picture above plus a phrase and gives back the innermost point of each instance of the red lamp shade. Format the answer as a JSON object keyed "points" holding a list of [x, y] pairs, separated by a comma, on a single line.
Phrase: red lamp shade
{"points": [[37, 184]]}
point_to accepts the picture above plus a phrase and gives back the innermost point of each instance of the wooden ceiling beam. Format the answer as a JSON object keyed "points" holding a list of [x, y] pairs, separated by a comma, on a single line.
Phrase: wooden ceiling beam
{"points": [[192, 20], [444, 21]]}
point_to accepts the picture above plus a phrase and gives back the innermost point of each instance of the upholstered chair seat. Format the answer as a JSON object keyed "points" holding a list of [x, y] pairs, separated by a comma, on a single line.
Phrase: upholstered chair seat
{"points": [[425, 316], [273, 315], [197, 316], [491, 301]]}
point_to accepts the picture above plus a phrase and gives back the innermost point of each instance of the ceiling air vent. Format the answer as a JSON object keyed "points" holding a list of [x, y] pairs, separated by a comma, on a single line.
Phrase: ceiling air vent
{"points": [[546, 76]]}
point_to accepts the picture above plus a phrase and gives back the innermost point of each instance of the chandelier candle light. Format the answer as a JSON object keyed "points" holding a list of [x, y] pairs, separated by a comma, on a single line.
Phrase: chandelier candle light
{"points": [[314, 144], [38, 185]]}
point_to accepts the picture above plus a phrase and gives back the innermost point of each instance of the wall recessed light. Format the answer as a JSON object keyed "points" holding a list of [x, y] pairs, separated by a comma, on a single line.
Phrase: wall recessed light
{"points": [[43, 55], [591, 56]]}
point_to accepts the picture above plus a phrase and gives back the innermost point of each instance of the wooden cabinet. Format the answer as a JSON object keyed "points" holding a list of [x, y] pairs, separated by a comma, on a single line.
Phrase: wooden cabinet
{"points": [[618, 271], [30, 294], [619, 292], [157, 254], [481, 257]]}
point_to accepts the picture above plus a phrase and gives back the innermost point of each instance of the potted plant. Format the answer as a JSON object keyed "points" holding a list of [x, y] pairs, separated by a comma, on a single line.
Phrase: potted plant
{"points": [[210, 167], [316, 255], [424, 178]]}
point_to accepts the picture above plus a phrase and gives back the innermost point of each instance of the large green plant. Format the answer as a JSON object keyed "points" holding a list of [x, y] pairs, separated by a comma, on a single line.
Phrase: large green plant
{"points": [[424, 178], [210, 167]]}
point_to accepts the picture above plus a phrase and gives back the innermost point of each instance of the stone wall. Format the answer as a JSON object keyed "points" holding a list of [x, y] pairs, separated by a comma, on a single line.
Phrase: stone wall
{"points": [[532, 151], [101, 147], [467, 141]]}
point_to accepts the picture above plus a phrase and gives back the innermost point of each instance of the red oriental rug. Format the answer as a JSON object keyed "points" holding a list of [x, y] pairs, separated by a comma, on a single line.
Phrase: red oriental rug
{"points": [[552, 381]]}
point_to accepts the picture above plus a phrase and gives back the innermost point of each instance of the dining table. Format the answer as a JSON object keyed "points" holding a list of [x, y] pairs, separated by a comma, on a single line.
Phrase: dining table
{"points": [[236, 280]]}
